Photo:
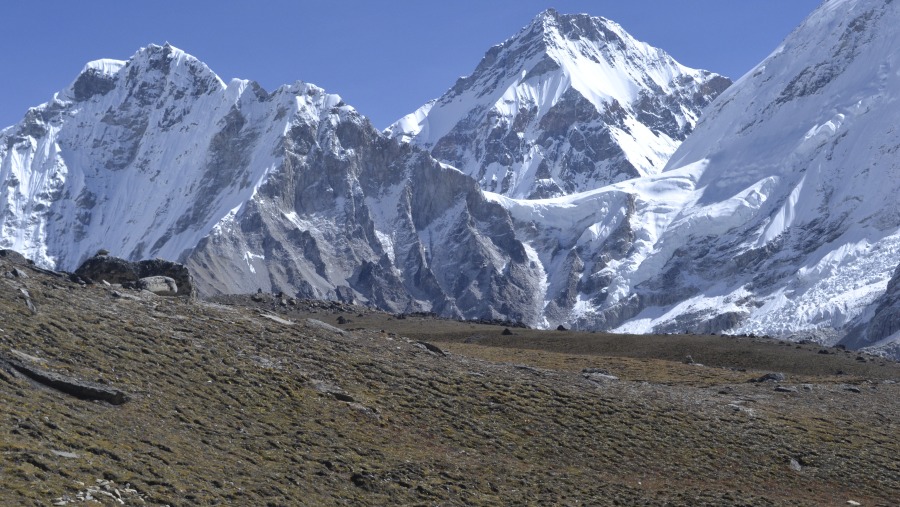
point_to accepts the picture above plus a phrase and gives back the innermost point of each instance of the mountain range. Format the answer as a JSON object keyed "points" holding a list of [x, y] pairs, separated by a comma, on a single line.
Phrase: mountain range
{"points": [[576, 177]]}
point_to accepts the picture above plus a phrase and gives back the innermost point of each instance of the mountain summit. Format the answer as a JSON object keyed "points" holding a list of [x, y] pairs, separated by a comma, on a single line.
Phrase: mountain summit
{"points": [[570, 103]]}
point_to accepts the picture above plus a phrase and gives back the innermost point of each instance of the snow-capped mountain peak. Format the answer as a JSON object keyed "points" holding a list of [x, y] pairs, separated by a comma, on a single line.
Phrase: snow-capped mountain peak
{"points": [[570, 103], [778, 215], [288, 191]]}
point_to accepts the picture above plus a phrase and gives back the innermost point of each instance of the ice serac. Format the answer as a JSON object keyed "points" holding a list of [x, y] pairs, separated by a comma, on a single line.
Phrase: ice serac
{"points": [[570, 103], [777, 216], [290, 191]]}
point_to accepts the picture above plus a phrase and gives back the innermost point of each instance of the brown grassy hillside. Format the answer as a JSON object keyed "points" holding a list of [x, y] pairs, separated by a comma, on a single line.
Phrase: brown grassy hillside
{"points": [[247, 401]]}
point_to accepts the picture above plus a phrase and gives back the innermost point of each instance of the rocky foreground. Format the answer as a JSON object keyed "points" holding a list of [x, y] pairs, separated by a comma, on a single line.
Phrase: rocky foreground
{"points": [[120, 396]]}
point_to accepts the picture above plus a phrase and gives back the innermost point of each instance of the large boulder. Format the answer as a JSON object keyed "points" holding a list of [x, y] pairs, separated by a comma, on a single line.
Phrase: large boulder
{"points": [[106, 268], [14, 257], [159, 285], [103, 267], [178, 272]]}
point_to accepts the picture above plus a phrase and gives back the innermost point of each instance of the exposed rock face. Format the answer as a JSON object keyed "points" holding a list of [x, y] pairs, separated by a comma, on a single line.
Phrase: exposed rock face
{"points": [[14, 257], [359, 216], [108, 269], [570, 103]]}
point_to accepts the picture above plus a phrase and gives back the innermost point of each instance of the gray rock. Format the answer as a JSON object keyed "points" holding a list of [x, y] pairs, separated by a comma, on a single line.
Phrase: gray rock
{"points": [[277, 319], [68, 385], [318, 324], [27, 297], [159, 285], [598, 375], [178, 272], [431, 348], [770, 377], [117, 271], [332, 390]]}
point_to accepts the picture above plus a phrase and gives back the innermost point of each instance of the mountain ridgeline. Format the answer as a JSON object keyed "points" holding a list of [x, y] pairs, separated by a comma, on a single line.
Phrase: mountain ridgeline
{"points": [[569, 104], [570, 179], [288, 191]]}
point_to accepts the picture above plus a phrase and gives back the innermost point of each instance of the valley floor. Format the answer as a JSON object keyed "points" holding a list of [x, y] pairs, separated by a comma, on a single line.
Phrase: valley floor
{"points": [[260, 401]]}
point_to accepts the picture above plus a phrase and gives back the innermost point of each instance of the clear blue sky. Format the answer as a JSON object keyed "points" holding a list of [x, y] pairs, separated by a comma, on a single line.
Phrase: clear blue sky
{"points": [[385, 57]]}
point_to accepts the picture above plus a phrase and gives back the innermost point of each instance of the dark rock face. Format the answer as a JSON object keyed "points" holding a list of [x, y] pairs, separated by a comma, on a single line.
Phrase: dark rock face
{"points": [[392, 228], [108, 269], [14, 257], [886, 320], [92, 82]]}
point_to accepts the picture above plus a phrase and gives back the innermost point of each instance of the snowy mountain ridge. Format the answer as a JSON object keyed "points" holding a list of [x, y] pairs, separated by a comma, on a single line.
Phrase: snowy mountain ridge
{"points": [[778, 215], [286, 191], [570, 103]]}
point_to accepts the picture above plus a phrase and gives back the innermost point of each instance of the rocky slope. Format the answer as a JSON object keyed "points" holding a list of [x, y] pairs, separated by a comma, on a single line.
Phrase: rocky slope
{"points": [[259, 400], [570, 103]]}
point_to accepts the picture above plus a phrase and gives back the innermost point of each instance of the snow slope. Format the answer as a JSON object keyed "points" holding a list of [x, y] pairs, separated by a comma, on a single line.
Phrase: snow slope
{"points": [[568, 104], [104, 162]]}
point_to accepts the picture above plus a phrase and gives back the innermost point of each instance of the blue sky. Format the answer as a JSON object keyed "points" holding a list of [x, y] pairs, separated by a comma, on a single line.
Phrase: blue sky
{"points": [[386, 58]]}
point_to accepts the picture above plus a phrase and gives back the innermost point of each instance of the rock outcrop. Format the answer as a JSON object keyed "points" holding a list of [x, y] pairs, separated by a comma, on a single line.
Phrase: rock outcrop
{"points": [[158, 276]]}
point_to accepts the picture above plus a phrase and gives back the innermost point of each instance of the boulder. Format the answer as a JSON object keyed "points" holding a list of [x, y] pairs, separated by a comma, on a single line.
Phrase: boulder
{"points": [[599, 375], [159, 285], [105, 267], [14, 257], [430, 348], [769, 377], [173, 270], [114, 270]]}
